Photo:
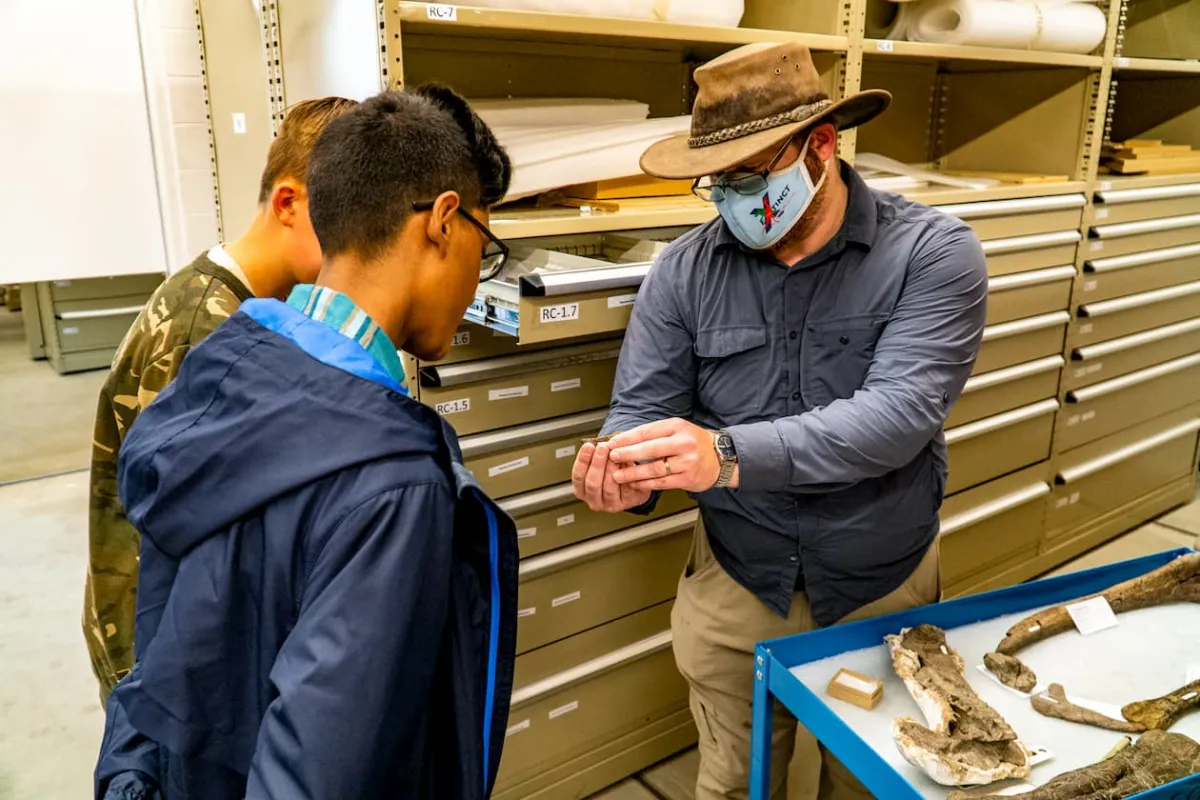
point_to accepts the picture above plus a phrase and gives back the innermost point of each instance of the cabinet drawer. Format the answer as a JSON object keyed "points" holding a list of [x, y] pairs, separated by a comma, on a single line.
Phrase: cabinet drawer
{"points": [[528, 457], [577, 710], [1124, 238], [1086, 487], [995, 446], [484, 395], [1029, 294], [1010, 343], [78, 334], [1109, 406], [1131, 205], [1107, 278], [1002, 219], [992, 523], [1133, 313], [121, 285], [1025, 253], [575, 588], [1098, 362], [553, 517], [1001, 390], [473, 342]]}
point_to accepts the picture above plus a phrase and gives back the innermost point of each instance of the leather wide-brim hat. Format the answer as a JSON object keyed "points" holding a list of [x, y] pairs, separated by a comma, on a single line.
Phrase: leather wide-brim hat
{"points": [[752, 99]]}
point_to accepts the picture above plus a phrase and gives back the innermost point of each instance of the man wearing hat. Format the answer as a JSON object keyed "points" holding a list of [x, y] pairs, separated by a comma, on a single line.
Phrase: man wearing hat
{"points": [[791, 364]]}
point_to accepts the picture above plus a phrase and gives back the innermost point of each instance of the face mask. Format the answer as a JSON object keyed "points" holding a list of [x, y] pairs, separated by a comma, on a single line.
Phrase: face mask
{"points": [[761, 208]]}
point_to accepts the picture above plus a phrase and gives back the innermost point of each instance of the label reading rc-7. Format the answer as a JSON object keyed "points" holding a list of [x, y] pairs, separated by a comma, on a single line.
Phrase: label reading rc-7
{"points": [[567, 312], [453, 406], [441, 13]]}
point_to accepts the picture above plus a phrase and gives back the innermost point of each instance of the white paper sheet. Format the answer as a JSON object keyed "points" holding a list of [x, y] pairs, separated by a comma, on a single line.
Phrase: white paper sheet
{"points": [[1071, 27]]}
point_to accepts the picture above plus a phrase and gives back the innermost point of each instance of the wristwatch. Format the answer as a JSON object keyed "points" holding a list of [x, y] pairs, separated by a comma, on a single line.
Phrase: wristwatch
{"points": [[727, 456]]}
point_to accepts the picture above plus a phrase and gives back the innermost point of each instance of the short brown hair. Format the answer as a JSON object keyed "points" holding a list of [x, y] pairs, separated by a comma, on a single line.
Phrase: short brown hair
{"points": [[302, 124]]}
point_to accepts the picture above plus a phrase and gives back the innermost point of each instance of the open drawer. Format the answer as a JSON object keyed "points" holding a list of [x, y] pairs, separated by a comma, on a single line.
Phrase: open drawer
{"points": [[1133, 313], [1029, 294], [992, 524], [1025, 216], [575, 696], [528, 457], [1098, 362], [989, 393], [1108, 278], [95, 323], [1007, 344], [484, 395], [569, 287], [1109, 406], [1149, 202], [473, 342], [997, 445], [553, 517], [574, 588], [1119, 469], [1123, 238]]}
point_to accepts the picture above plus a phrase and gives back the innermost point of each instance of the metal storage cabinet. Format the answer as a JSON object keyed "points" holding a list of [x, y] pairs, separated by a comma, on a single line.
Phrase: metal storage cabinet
{"points": [[83, 321]]}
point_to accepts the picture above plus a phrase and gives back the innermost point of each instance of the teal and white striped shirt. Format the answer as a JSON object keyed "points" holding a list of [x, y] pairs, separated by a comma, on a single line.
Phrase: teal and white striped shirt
{"points": [[340, 313]]}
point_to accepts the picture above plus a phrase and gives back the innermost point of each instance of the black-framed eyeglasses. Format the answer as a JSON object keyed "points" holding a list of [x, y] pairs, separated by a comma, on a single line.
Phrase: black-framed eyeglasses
{"points": [[743, 183], [495, 253]]}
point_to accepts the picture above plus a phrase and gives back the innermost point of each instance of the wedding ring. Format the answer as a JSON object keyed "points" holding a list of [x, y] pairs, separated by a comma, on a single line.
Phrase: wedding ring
{"points": [[667, 464]]}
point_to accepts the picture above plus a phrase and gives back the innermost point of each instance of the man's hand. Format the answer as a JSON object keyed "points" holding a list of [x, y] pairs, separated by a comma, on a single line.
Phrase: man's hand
{"points": [[677, 455], [592, 479]]}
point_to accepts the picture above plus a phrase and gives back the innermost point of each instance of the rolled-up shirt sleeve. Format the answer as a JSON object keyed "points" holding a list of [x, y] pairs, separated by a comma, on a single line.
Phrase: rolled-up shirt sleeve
{"points": [[921, 362]]}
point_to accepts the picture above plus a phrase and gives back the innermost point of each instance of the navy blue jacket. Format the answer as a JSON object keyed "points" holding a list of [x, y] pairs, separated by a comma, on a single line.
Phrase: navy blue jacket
{"points": [[326, 601]]}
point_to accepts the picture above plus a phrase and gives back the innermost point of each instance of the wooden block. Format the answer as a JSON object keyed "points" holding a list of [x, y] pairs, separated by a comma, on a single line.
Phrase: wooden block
{"points": [[559, 199], [1011, 177], [1141, 143], [634, 186], [1165, 151], [856, 689], [1155, 166]]}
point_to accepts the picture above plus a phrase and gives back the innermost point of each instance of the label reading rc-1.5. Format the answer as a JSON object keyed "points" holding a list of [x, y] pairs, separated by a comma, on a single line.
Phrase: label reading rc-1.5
{"points": [[567, 312], [453, 406]]}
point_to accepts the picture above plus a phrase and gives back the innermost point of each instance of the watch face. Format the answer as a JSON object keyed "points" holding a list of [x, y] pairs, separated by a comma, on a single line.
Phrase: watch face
{"points": [[725, 447]]}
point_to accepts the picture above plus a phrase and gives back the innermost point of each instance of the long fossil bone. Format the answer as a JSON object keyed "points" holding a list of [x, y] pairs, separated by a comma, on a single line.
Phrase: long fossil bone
{"points": [[1155, 759], [1176, 582], [1057, 705], [966, 741], [1161, 712]]}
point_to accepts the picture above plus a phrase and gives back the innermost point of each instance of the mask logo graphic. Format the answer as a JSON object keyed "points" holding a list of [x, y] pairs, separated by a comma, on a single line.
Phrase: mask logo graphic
{"points": [[766, 214]]}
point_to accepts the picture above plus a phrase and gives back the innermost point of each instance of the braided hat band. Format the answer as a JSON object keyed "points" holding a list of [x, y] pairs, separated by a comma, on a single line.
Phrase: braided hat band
{"points": [[798, 114]]}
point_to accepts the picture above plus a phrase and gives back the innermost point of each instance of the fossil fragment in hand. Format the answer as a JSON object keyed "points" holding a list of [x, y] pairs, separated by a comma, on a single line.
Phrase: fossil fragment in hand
{"points": [[1176, 582], [599, 439], [1010, 671], [1161, 712], [967, 742], [1155, 759], [1057, 705]]}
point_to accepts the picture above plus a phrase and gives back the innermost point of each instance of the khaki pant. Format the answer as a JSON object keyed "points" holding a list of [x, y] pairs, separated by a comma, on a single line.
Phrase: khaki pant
{"points": [[716, 623]]}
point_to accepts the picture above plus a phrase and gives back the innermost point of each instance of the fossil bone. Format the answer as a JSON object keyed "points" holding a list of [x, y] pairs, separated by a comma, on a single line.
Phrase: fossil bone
{"points": [[1010, 671], [966, 741], [1057, 705], [1155, 759], [1176, 582], [1161, 712]]}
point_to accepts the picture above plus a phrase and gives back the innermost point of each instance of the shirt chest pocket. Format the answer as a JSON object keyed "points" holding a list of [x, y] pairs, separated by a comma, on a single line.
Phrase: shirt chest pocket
{"points": [[729, 379], [835, 358]]}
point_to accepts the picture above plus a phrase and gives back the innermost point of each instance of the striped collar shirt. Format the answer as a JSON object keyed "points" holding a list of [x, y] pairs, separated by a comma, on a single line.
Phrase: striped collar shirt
{"points": [[340, 313]]}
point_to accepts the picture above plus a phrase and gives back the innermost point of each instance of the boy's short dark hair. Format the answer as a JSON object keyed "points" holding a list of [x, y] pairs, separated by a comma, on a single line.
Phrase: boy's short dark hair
{"points": [[292, 146], [393, 150]]}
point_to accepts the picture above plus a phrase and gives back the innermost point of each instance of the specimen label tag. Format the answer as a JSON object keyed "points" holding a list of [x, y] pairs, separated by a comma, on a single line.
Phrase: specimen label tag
{"points": [[1193, 673], [520, 726], [1092, 615], [508, 393], [621, 300]]}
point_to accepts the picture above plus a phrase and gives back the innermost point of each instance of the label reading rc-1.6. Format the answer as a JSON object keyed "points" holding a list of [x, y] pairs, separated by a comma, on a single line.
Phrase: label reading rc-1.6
{"points": [[567, 312], [461, 339]]}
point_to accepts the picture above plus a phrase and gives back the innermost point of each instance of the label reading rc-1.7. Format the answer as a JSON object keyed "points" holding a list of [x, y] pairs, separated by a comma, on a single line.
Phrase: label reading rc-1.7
{"points": [[453, 406], [567, 312]]}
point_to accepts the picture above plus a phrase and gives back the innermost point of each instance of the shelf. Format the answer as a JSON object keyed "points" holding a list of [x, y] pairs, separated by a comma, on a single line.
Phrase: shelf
{"points": [[1161, 65], [1012, 191], [418, 18], [651, 212], [947, 52], [1105, 183]]}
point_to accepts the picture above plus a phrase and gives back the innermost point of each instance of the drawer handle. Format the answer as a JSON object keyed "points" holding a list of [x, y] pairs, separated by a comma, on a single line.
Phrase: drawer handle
{"points": [[565, 557], [96, 313], [1136, 340], [1116, 196], [994, 508], [1120, 229], [590, 669], [998, 208], [1015, 328], [507, 366], [1037, 277], [1139, 300], [1072, 474], [535, 433], [1001, 421], [1141, 259], [531, 502], [1002, 376], [575, 281], [1132, 379], [1017, 244]]}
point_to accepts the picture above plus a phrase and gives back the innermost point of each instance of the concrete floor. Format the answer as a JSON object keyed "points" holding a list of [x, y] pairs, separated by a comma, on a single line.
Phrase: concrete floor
{"points": [[51, 717]]}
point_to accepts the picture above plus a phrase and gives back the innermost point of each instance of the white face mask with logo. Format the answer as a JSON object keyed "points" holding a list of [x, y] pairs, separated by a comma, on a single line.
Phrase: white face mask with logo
{"points": [[760, 208]]}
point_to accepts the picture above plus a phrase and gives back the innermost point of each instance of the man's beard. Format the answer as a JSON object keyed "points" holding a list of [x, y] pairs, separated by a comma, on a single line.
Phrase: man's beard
{"points": [[811, 218]]}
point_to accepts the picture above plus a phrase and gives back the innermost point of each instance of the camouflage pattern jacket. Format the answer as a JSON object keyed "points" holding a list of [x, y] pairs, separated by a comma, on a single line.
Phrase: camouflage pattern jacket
{"points": [[185, 309]]}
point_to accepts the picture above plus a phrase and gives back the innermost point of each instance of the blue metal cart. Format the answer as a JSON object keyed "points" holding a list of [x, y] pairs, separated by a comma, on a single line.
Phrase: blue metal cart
{"points": [[775, 683]]}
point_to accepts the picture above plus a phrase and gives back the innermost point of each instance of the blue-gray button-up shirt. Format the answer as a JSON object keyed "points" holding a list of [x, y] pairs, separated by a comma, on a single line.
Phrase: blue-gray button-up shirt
{"points": [[834, 378]]}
